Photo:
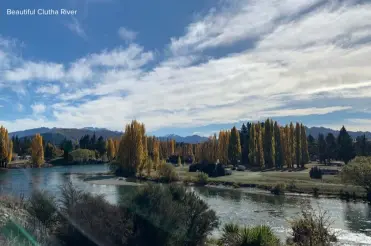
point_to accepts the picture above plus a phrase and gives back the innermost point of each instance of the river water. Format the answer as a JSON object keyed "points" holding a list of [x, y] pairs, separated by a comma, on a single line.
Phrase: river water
{"points": [[352, 221]]}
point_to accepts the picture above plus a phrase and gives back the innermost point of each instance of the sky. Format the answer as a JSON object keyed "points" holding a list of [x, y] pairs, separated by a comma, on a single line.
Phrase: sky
{"points": [[185, 67]]}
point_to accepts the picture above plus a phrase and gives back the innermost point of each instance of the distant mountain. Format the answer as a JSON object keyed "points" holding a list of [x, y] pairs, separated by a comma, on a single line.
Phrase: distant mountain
{"points": [[314, 131], [189, 139], [56, 135]]}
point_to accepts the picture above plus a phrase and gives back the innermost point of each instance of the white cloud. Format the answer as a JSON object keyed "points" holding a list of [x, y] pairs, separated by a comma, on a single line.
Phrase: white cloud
{"points": [[52, 89], [38, 108], [277, 76], [127, 34], [75, 26]]}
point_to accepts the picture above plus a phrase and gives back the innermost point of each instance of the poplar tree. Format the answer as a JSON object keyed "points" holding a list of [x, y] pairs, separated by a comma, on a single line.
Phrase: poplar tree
{"points": [[130, 155], [234, 147], [110, 149], [259, 142], [278, 146], [284, 147], [292, 144], [304, 146], [10, 151], [156, 154], [3, 146], [269, 144], [37, 150], [288, 147], [252, 146], [298, 145]]}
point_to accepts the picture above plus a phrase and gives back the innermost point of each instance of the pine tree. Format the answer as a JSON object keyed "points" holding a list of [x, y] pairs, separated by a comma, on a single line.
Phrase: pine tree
{"points": [[298, 145], [304, 146], [234, 147], [322, 147], [37, 150], [244, 137], [346, 147], [278, 147], [50, 151]]}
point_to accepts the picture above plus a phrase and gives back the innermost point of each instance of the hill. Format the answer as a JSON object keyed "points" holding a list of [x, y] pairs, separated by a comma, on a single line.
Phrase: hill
{"points": [[314, 131], [189, 139]]}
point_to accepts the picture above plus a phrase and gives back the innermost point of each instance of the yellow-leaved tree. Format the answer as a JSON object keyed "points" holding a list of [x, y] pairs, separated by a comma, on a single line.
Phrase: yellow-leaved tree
{"points": [[130, 155], [111, 152], [37, 150], [4, 147]]}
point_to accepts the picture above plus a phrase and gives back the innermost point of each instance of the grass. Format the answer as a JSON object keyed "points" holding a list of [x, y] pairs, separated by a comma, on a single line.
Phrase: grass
{"points": [[302, 183]]}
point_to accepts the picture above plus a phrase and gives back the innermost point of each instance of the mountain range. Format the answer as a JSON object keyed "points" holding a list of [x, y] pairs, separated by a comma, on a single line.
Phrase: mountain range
{"points": [[56, 135]]}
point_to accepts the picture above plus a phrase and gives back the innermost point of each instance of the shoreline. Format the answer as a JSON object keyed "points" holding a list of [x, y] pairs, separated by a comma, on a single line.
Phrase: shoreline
{"points": [[104, 179]]}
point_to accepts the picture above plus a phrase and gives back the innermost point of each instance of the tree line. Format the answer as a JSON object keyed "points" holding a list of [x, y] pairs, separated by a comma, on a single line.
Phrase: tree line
{"points": [[342, 147]]}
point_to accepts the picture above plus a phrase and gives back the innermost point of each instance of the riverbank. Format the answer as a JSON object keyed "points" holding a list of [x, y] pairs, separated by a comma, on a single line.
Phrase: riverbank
{"points": [[295, 182]]}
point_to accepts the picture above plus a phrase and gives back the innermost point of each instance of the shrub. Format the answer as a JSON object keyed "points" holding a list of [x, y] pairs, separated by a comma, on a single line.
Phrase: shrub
{"points": [[315, 192], [167, 173], [315, 173], [278, 189], [82, 155], [233, 235], [311, 228], [43, 207], [188, 179], [201, 179], [194, 167], [212, 169]]}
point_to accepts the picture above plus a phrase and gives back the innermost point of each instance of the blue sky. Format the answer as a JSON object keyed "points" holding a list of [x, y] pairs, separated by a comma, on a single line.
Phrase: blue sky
{"points": [[185, 67]]}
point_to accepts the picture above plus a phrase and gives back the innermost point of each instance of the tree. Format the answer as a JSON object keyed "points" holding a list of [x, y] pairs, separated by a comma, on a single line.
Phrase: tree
{"points": [[10, 151], [312, 147], [50, 151], [234, 147], [130, 156], [244, 139], [101, 146], [4, 146], [298, 145], [278, 146], [253, 146], [259, 144], [179, 161], [92, 142], [331, 147], [292, 144], [304, 146], [362, 146], [67, 147], [37, 150], [156, 153], [110, 149], [268, 144], [346, 148], [358, 172], [322, 147]]}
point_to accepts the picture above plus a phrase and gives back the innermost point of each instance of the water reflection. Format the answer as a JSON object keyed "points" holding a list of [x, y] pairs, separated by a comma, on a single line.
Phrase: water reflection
{"points": [[358, 217]]}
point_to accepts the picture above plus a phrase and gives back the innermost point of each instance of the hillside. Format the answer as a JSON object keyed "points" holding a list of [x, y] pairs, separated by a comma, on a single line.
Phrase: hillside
{"points": [[189, 139], [314, 131]]}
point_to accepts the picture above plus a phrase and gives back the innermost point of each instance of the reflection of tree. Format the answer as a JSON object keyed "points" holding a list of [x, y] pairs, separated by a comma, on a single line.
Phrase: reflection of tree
{"points": [[358, 217], [234, 195]]}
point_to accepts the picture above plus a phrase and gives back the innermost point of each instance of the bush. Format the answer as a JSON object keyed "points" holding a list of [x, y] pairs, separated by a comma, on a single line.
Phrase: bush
{"points": [[278, 189], [194, 167], [212, 169], [82, 155], [315, 173], [315, 192], [201, 179], [233, 235], [152, 215], [311, 228], [167, 173], [43, 207], [188, 180]]}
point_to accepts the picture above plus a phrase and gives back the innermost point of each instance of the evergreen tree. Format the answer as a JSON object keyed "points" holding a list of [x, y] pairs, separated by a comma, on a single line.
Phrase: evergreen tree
{"points": [[50, 151], [284, 147], [322, 149], [278, 146], [304, 146], [156, 154], [101, 146], [298, 149], [234, 147], [37, 150], [312, 147], [346, 148], [361, 146], [331, 147], [244, 137], [288, 147]]}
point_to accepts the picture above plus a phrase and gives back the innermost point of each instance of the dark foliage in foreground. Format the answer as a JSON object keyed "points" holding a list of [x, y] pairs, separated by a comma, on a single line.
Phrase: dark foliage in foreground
{"points": [[211, 169], [315, 173], [153, 215]]}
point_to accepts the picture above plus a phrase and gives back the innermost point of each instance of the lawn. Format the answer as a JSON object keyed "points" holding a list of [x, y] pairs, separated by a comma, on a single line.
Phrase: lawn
{"points": [[299, 181]]}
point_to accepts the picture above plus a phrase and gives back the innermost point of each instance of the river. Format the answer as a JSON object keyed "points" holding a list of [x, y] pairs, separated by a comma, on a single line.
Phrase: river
{"points": [[352, 221]]}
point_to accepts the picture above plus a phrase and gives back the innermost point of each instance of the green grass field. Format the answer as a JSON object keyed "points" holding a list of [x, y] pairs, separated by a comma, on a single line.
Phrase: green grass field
{"points": [[298, 181]]}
